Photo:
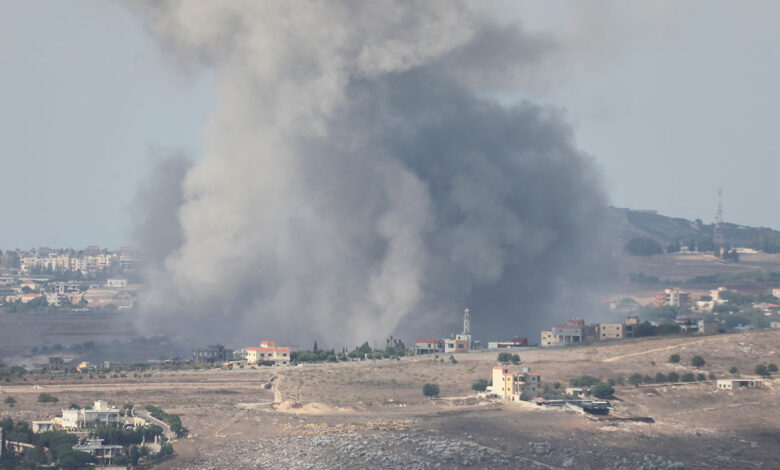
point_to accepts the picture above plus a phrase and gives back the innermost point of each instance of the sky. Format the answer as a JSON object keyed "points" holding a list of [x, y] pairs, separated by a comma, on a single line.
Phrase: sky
{"points": [[671, 99]]}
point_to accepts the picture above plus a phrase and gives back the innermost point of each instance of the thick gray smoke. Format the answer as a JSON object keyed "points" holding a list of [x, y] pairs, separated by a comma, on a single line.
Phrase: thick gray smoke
{"points": [[356, 182]]}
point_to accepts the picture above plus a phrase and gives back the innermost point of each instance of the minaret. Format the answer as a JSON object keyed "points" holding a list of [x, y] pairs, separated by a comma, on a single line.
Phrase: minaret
{"points": [[466, 322]]}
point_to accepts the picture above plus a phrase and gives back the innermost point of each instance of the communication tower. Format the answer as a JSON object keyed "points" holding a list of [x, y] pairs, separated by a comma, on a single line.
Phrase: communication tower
{"points": [[467, 322], [717, 236]]}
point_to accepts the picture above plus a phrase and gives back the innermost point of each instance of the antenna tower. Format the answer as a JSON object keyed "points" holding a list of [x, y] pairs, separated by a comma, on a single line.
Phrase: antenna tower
{"points": [[717, 235], [467, 322]]}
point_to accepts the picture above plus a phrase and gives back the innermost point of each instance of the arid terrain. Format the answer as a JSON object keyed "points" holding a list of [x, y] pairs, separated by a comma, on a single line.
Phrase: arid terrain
{"points": [[356, 414]]}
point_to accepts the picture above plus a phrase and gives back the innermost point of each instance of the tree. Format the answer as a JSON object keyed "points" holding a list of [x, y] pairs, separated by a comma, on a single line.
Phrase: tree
{"points": [[515, 359], [701, 377], [315, 349], [642, 246], [697, 362], [504, 357], [674, 358], [635, 379], [584, 381], [673, 247], [772, 367], [733, 370], [602, 390], [430, 390], [480, 385], [47, 398], [673, 377], [134, 455], [688, 377], [660, 378], [10, 401], [762, 370], [453, 360]]}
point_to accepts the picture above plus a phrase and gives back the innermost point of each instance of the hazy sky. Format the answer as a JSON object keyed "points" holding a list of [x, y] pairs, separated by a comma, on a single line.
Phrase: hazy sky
{"points": [[672, 99]]}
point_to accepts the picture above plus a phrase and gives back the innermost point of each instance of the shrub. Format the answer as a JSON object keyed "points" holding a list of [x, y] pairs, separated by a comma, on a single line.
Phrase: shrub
{"points": [[660, 378], [733, 370], [430, 390], [688, 377], [772, 367], [584, 381], [602, 390], [674, 358], [635, 379], [673, 377], [701, 377], [10, 401], [712, 376], [47, 398], [480, 385], [453, 360], [515, 359], [504, 357], [697, 362], [762, 370], [647, 379]]}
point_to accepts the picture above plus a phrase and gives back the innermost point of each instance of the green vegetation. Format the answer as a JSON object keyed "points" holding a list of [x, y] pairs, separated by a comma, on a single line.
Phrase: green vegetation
{"points": [[480, 385], [453, 360], [126, 437], [173, 420], [430, 390], [47, 398], [673, 377], [688, 377], [10, 401], [641, 246], [506, 357], [584, 381], [602, 390], [762, 370], [697, 362], [660, 378], [59, 444], [772, 367], [733, 370], [674, 358], [635, 379]]}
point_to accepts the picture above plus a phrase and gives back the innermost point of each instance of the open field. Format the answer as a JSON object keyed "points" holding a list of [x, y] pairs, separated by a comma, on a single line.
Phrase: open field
{"points": [[351, 415]]}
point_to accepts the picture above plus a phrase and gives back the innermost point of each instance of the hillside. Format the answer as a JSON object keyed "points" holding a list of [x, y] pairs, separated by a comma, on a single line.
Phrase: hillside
{"points": [[625, 224]]}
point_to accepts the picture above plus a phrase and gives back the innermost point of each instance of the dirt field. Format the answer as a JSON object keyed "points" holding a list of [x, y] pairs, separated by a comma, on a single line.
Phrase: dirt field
{"points": [[354, 415]]}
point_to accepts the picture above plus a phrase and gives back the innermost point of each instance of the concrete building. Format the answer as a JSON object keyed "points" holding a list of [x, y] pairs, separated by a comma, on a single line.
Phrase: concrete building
{"points": [[708, 327], [268, 352], [774, 324], [428, 346], [575, 331], [212, 353], [731, 384], [103, 454], [516, 342], [611, 330], [511, 385], [673, 297], [116, 283], [56, 363], [101, 413]]}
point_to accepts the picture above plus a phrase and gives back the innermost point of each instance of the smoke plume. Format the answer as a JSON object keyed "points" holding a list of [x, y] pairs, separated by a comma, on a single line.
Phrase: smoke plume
{"points": [[356, 181]]}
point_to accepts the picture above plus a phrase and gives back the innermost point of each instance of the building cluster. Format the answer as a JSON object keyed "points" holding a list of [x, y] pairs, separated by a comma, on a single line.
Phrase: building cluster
{"points": [[84, 419], [513, 385], [88, 261], [456, 343], [75, 294], [575, 331], [268, 353]]}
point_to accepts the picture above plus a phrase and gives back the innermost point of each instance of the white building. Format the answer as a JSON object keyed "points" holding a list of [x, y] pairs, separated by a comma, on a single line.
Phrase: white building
{"points": [[101, 413], [116, 283]]}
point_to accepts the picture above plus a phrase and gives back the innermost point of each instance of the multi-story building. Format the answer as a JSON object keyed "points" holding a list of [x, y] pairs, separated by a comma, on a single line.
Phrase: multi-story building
{"points": [[212, 353], [268, 352], [428, 346], [116, 283], [673, 297], [100, 414], [575, 331], [512, 385]]}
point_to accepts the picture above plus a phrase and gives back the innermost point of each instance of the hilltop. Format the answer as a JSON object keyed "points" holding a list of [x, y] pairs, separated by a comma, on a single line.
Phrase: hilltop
{"points": [[625, 224]]}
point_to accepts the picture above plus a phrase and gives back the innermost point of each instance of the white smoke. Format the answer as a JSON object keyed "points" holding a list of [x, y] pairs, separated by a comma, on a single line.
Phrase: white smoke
{"points": [[353, 184]]}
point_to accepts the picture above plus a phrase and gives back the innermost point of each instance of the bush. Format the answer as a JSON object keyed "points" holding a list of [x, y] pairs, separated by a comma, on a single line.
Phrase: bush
{"points": [[504, 357], [480, 385], [674, 358], [712, 376], [733, 370], [697, 362], [602, 390], [673, 377], [660, 378], [635, 379], [772, 367], [47, 398], [430, 390], [688, 377], [515, 359], [641, 246], [453, 360], [701, 377], [762, 370], [10, 401], [584, 381]]}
